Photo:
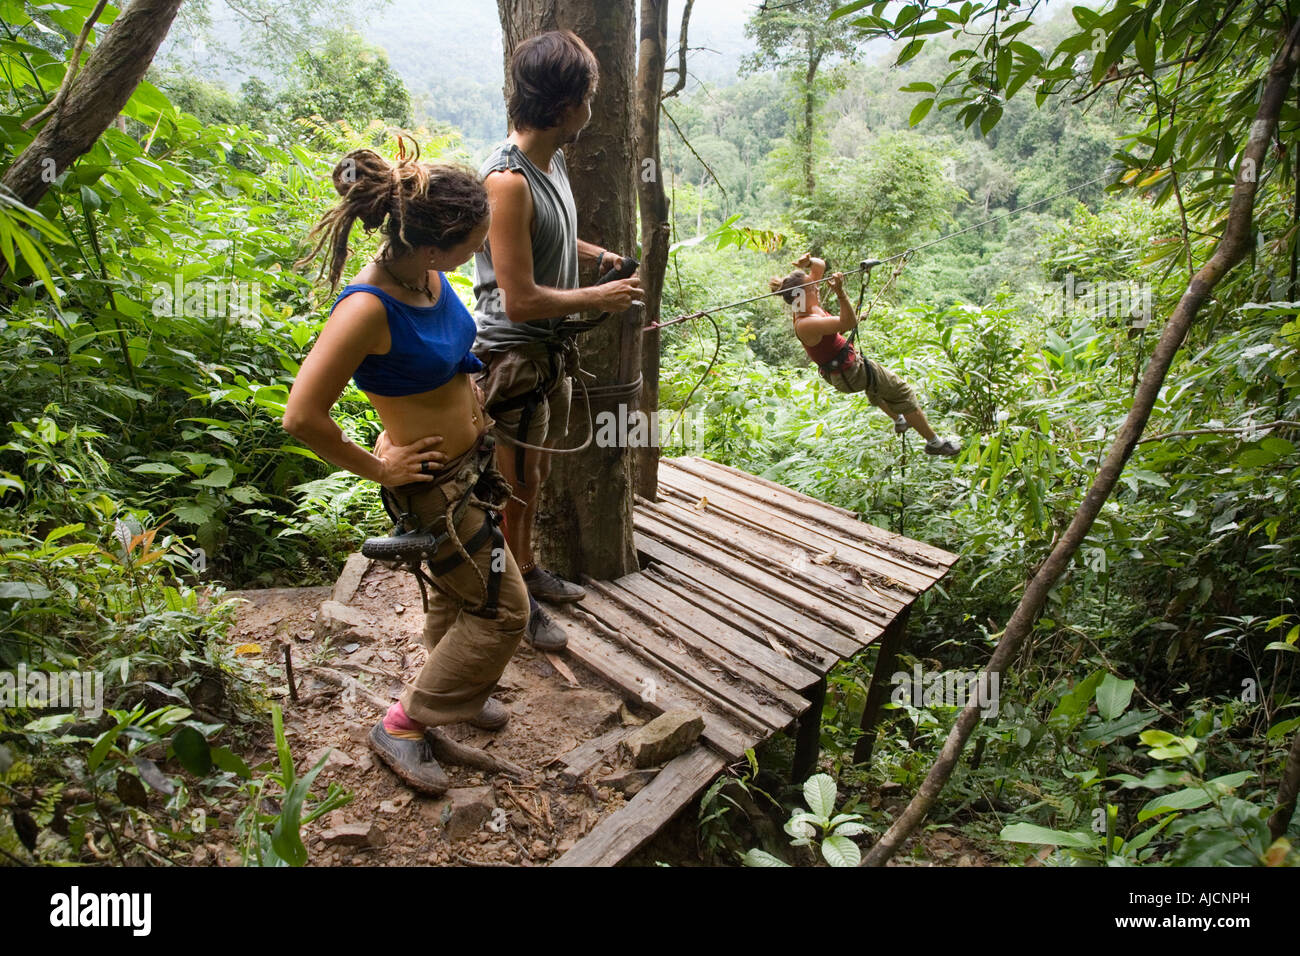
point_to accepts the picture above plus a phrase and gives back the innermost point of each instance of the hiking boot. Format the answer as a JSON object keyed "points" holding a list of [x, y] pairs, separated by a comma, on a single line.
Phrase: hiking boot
{"points": [[493, 716], [543, 633], [545, 586], [948, 447], [411, 760], [900, 425]]}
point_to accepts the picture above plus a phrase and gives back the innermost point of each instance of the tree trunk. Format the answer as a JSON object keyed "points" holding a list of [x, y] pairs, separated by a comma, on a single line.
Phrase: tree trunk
{"points": [[95, 97], [584, 521], [1231, 249], [655, 229], [1286, 796], [809, 113]]}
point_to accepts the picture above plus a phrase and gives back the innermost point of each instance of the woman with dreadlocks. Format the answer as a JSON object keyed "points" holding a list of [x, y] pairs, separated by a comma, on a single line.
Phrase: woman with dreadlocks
{"points": [[399, 330]]}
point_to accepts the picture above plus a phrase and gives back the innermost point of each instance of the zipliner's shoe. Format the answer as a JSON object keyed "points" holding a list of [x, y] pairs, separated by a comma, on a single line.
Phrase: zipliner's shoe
{"points": [[948, 447], [900, 425]]}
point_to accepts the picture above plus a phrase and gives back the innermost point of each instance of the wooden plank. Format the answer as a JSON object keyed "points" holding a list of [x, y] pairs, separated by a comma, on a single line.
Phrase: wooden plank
{"points": [[748, 705], [753, 698], [625, 831], [693, 586], [774, 590], [772, 494], [586, 755], [869, 560], [882, 599], [629, 674], [750, 609], [741, 653]]}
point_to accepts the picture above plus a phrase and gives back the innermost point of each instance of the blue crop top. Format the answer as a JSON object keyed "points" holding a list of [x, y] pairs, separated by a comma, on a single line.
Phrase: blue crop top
{"points": [[431, 344]]}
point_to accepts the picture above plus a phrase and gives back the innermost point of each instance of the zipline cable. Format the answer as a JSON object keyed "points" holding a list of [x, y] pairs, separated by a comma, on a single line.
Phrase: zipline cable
{"points": [[864, 270], [869, 264]]}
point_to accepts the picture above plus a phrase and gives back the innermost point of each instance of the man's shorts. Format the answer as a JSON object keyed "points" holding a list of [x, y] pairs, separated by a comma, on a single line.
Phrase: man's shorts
{"points": [[883, 388], [518, 371]]}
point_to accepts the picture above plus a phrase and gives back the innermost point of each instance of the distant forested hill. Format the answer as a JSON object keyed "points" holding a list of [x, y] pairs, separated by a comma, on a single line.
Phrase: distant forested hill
{"points": [[448, 52]]}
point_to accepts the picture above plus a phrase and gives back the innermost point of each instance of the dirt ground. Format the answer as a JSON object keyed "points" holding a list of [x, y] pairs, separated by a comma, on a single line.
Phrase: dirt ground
{"points": [[540, 817], [555, 705]]}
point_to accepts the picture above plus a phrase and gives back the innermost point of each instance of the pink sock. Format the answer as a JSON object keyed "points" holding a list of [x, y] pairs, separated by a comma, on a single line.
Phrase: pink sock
{"points": [[396, 719]]}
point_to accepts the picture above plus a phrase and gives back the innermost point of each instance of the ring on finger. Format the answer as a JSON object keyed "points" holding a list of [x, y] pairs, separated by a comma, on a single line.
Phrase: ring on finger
{"points": [[424, 467]]}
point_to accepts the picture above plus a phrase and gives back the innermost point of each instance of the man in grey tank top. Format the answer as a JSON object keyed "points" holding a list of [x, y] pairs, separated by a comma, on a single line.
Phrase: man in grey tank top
{"points": [[527, 284]]}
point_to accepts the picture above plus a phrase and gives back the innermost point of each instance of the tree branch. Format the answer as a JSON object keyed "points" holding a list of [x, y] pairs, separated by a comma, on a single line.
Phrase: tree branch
{"points": [[74, 67], [680, 69]]}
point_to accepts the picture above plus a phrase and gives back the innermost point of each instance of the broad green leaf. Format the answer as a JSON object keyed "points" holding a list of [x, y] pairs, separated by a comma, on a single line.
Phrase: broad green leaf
{"points": [[819, 793], [1113, 696], [841, 851], [1032, 833]]}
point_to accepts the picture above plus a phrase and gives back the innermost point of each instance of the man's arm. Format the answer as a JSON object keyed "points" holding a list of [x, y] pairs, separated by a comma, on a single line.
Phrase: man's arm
{"points": [[510, 238]]}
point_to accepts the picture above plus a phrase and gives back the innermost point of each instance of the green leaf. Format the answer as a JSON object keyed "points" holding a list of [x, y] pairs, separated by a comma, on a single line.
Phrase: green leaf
{"points": [[157, 468], [48, 724], [1032, 833], [909, 51], [103, 744], [920, 111], [192, 751], [286, 838], [1113, 696], [23, 590], [218, 478], [231, 762], [762, 858], [990, 119], [819, 793], [840, 851], [1188, 799]]}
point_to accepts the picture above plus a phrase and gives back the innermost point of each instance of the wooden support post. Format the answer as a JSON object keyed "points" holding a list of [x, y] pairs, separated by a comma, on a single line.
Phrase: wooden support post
{"points": [[808, 739], [891, 642]]}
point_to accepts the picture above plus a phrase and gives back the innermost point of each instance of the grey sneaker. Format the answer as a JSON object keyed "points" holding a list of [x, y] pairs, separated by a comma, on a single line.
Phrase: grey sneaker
{"points": [[411, 760], [900, 425], [493, 716], [948, 447], [545, 586], [543, 633]]}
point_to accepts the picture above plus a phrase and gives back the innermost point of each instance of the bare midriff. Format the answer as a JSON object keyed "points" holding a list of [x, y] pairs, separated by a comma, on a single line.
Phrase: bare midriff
{"points": [[451, 410]]}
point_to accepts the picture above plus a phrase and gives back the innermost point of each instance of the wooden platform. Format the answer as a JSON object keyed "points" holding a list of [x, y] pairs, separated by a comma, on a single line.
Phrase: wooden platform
{"points": [[749, 594]]}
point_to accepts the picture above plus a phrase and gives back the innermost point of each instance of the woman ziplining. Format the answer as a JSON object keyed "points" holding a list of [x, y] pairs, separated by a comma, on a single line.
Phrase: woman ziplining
{"points": [[839, 363], [401, 332]]}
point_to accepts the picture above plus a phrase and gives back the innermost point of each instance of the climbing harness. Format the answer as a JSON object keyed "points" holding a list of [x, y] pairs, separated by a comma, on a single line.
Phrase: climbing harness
{"points": [[562, 352], [412, 545]]}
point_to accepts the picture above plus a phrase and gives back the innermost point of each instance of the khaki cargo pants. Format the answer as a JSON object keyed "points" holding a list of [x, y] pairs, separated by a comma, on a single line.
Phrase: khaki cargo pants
{"points": [[468, 651], [515, 372], [883, 388]]}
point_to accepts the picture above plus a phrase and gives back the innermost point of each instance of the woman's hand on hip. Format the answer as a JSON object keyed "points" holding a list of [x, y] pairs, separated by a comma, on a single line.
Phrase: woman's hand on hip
{"points": [[403, 464]]}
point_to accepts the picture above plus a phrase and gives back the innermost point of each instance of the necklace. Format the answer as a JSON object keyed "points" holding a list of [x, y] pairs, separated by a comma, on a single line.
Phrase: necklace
{"points": [[423, 290]]}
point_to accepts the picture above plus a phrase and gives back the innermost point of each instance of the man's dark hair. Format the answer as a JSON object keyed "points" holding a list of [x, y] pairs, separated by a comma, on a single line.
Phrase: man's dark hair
{"points": [[549, 73]]}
